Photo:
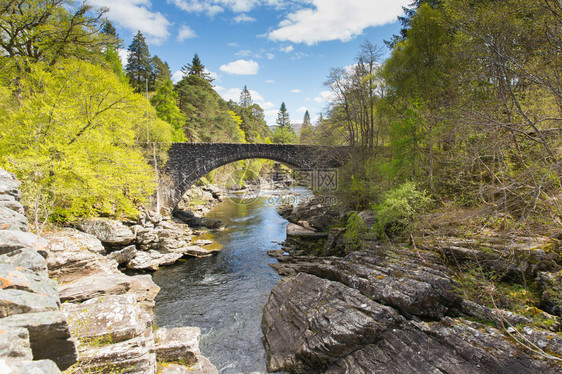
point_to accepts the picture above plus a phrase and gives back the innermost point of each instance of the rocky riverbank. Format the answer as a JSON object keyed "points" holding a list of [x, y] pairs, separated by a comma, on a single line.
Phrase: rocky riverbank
{"points": [[65, 304], [448, 305]]}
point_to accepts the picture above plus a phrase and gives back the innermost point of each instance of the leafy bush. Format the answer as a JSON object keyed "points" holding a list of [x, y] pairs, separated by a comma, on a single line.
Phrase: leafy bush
{"points": [[399, 210], [355, 231]]}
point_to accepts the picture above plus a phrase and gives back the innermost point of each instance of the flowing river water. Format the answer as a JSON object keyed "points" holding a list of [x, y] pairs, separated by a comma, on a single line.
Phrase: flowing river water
{"points": [[224, 294]]}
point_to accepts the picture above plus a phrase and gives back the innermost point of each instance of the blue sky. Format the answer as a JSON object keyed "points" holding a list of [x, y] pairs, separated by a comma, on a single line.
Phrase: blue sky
{"points": [[282, 50]]}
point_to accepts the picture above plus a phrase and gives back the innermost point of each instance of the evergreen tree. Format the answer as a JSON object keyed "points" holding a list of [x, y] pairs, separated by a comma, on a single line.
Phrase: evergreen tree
{"points": [[196, 68], [306, 130], [161, 72], [283, 119], [139, 66], [245, 98]]}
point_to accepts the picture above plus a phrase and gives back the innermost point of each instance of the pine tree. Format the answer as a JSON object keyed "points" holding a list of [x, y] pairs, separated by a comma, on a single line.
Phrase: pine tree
{"points": [[245, 98], [139, 66], [197, 68], [161, 72], [283, 119], [306, 129]]}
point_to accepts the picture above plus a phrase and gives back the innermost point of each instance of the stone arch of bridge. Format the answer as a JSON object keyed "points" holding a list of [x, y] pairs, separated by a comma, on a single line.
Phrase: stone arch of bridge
{"points": [[188, 162]]}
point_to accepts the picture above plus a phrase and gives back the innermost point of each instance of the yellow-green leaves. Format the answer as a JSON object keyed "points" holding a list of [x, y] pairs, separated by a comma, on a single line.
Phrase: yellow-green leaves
{"points": [[76, 135]]}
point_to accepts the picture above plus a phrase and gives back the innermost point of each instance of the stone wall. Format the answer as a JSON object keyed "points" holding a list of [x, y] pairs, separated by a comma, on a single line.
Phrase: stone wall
{"points": [[34, 333]]}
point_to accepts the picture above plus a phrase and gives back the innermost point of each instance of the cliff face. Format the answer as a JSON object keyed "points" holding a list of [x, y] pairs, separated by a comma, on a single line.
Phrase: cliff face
{"points": [[394, 309], [34, 333]]}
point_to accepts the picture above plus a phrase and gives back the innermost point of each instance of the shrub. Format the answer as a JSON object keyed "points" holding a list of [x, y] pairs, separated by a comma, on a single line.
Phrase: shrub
{"points": [[399, 209]]}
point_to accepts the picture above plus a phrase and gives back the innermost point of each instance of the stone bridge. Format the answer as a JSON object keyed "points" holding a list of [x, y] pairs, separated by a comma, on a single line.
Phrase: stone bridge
{"points": [[187, 162]]}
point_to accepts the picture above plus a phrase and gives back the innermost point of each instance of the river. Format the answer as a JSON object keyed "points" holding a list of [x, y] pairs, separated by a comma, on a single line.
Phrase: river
{"points": [[224, 294]]}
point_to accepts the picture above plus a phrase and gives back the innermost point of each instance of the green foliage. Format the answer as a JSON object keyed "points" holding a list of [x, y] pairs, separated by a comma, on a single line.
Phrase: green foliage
{"points": [[197, 69], [284, 135], [75, 135], [164, 101], [355, 231], [283, 119], [307, 132], [399, 209], [207, 114], [139, 64], [50, 30]]}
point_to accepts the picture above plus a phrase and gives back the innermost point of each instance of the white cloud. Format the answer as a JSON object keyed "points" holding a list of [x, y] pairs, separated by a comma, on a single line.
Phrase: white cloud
{"points": [[123, 55], [270, 56], [198, 6], [296, 91], [177, 76], [336, 20], [244, 53], [232, 44], [244, 18], [324, 97], [136, 15], [302, 109], [270, 81], [186, 32], [213, 7], [241, 67], [287, 49]]}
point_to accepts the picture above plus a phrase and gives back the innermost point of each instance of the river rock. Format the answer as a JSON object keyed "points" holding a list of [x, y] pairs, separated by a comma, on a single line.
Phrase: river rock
{"points": [[12, 220], [178, 344], [12, 366], [163, 240], [49, 336], [13, 240], [95, 285], [335, 244], [316, 325], [404, 281], [152, 260], [186, 216], [196, 251], [23, 291], [309, 321], [124, 255], [74, 255], [132, 356], [14, 343], [109, 232], [9, 185], [145, 290], [112, 318]]}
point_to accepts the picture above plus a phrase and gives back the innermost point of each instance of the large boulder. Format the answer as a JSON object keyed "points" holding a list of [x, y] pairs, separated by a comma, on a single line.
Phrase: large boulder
{"points": [[178, 344], [152, 260], [314, 325], [112, 318], [132, 356], [24, 291], [309, 321], [109, 232], [73, 255], [95, 285], [49, 336], [14, 343]]}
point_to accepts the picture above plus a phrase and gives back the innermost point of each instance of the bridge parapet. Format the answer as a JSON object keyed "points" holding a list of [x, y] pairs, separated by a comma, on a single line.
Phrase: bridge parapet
{"points": [[188, 162]]}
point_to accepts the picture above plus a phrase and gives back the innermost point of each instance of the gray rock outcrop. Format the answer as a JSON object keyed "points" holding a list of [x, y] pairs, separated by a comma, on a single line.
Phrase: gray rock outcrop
{"points": [[392, 311], [34, 335]]}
